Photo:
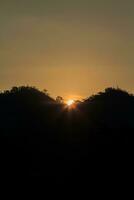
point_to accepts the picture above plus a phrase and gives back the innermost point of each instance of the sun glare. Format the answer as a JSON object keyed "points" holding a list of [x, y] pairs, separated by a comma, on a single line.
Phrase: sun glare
{"points": [[70, 102]]}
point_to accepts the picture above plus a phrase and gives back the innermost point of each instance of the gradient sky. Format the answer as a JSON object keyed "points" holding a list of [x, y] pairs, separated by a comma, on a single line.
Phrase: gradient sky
{"points": [[73, 48]]}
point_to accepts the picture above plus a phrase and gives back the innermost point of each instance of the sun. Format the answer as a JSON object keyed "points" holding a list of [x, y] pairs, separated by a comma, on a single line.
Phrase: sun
{"points": [[70, 102]]}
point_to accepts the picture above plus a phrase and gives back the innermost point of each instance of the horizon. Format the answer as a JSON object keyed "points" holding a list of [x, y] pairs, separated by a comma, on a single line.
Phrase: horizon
{"points": [[70, 99]]}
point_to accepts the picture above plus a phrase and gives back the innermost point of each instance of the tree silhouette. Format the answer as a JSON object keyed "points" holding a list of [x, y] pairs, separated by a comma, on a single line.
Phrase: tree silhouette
{"points": [[59, 99], [42, 138]]}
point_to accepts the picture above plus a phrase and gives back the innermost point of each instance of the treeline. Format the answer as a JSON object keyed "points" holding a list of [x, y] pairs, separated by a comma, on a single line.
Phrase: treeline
{"points": [[40, 136]]}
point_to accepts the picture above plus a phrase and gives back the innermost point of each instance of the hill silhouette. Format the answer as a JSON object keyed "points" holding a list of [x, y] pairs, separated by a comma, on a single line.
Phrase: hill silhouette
{"points": [[40, 136]]}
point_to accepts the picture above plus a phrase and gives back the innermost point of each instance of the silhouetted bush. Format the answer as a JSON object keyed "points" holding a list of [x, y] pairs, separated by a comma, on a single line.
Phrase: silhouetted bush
{"points": [[41, 136]]}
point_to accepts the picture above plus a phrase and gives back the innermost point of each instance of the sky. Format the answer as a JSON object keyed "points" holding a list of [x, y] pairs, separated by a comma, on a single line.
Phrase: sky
{"points": [[72, 48]]}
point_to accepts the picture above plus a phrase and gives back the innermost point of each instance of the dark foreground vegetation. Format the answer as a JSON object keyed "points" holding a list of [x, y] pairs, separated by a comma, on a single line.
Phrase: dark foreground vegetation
{"points": [[40, 136]]}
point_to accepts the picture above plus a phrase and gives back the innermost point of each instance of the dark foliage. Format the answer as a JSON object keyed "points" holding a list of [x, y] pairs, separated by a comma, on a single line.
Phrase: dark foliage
{"points": [[40, 136]]}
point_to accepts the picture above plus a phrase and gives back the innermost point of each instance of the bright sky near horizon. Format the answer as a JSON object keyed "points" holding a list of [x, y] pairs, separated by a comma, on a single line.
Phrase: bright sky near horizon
{"points": [[73, 48]]}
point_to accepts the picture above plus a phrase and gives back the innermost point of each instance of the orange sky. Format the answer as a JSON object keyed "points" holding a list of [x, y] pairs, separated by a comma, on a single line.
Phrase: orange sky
{"points": [[71, 48]]}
